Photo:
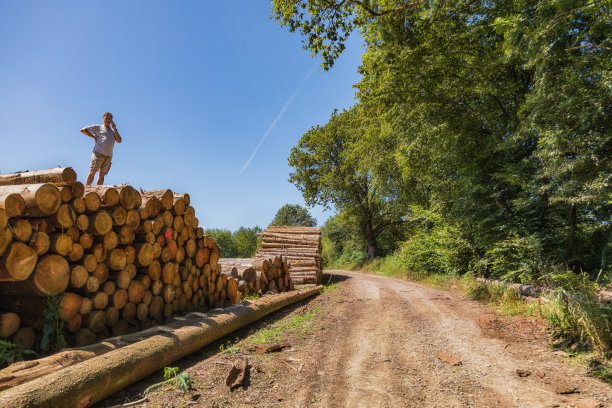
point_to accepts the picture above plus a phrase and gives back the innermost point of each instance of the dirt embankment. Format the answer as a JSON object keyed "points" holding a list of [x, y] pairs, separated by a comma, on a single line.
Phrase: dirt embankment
{"points": [[381, 342]]}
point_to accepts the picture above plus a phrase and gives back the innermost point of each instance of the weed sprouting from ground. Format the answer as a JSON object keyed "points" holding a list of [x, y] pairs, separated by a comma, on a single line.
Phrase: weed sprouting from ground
{"points": [[507, 301], [230, 347], [53, 337], [329, 288], [183, 380]]}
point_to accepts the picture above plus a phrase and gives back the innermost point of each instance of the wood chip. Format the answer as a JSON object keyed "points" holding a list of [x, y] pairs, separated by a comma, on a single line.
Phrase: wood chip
{"points": [[448, 358], [269, 348], [236, 376]]}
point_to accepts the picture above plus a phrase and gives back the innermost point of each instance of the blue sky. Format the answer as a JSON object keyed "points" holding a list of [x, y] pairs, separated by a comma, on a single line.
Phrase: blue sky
{"points": [[194, 86]]}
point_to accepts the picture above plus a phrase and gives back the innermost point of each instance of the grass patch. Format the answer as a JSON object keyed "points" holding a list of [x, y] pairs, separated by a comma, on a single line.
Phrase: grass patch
{"points": [[329, 288], [506, 301], [578, 317], [300, 325], [230, 347]]}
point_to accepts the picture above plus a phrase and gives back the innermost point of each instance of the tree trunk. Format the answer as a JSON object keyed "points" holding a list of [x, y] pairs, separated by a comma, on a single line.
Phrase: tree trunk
{"points": [[56, 175], [39, 199], [571, 234]]}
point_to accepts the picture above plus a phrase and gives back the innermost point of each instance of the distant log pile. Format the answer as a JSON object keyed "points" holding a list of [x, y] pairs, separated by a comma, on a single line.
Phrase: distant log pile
{"points": [[120, 260], [257, 276], [301, 247]]}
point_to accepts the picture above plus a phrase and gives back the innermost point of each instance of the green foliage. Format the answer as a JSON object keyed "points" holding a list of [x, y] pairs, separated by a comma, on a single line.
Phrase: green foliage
{"points": [[481, 129], [577, 315], [301, 325], [183, 380], [9, 353], [506, 300], [223, 238], [229, 347], [293, 215], [242, 243], [53, 336], [247, 242], [516, 259]]}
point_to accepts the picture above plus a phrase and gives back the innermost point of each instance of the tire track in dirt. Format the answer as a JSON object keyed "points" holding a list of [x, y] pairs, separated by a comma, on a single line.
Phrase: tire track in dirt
{"points": [[382, 348]]}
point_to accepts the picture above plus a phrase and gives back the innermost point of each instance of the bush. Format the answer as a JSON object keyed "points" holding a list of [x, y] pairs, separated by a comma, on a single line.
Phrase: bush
{"points": [[440, 250], [516, 259]]}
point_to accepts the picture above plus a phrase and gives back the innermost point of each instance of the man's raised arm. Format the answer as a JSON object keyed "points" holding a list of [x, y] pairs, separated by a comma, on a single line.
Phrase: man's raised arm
{"points": [[117, 135]]}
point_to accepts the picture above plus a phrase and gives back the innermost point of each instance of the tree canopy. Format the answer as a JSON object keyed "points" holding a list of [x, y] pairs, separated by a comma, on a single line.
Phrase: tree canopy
{"points": [[484, 126], [293, 215]]}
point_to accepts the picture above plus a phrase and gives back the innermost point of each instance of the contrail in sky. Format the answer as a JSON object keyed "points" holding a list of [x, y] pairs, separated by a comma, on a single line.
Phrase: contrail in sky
{"points": [[278, 117]]}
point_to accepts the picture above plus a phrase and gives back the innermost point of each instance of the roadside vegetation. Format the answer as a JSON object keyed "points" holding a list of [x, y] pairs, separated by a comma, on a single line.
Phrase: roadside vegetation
{"points": [[467, 152]]}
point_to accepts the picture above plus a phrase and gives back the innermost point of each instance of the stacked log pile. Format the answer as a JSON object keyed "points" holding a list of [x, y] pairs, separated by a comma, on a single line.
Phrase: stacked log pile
{"points": [[258, 276], [119, 260], [301, 247]]}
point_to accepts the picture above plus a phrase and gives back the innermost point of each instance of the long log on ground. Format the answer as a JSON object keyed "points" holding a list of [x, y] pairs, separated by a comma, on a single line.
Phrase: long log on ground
{"points": [[93, 380], [40, 199], [56, 175], [603, 296]]}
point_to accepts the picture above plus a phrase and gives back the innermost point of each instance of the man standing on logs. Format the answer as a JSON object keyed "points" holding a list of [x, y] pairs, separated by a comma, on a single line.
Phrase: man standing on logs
{"points": [[105, 138]]}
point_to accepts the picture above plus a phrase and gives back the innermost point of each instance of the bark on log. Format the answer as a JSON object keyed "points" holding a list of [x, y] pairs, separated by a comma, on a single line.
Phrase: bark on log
{"points": [[3, 218], [55, 175]]}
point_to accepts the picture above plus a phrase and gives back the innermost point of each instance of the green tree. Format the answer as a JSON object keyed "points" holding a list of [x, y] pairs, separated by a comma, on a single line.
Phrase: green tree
{"points": [[246, 240], [329, 171], [293, 215], [223, 238]]}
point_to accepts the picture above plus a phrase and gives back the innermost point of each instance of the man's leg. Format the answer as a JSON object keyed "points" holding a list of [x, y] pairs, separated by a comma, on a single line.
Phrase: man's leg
{"points": [[90, 177], [104, 169]]}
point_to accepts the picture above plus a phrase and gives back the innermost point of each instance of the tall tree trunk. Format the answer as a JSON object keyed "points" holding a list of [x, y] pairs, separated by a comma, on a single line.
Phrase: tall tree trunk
{"points": [[371, 241], [571, 234]]}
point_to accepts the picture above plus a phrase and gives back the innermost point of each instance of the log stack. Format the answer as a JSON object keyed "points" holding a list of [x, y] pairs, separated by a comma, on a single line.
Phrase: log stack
{"points": [[300, 247], [258, 276], [120, 260]]}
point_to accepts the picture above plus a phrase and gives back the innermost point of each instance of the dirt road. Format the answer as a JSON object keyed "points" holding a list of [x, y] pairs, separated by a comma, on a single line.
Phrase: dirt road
{"points": [[382, 342]]}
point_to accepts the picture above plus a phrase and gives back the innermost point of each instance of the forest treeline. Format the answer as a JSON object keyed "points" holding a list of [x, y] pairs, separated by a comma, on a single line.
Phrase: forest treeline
{"points": [[480, 139]]}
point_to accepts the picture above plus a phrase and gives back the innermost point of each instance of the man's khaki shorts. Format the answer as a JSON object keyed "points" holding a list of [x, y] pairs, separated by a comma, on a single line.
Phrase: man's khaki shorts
{"points": [[100, 162]]}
